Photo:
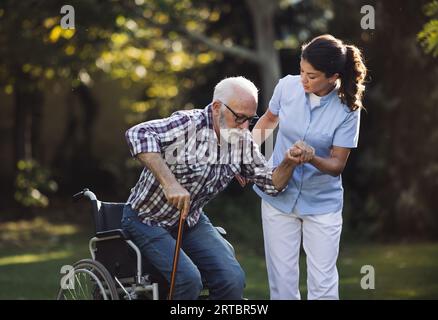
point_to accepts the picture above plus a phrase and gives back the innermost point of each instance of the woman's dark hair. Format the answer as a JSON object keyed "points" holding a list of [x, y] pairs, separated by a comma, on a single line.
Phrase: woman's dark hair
{"points": [[330, 55]]}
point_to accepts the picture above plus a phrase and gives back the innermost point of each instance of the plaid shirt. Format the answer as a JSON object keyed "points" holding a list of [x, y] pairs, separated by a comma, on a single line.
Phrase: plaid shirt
{"points": [[189, 145]]}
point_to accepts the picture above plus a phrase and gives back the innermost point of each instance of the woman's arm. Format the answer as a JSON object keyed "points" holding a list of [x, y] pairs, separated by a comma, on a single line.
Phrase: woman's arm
{"points": [[335, 164], [261, 131], [264, 127]]}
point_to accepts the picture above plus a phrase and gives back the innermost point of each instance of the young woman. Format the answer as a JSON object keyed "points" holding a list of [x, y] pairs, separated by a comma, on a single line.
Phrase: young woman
{"points": [[319, 113]]}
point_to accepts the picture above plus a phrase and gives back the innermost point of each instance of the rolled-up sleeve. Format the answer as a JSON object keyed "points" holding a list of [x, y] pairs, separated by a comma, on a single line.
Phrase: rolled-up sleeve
{"points": [[256, 169], [156, 135]]}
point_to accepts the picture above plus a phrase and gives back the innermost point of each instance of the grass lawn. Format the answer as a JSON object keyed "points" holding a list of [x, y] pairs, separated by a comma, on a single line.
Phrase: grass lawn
{"points": [[32, 253], [408, 271]]}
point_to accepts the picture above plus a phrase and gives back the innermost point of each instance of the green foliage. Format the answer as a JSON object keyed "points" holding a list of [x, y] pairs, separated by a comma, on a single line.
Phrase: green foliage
{"points": [[428, 37], [150, 50], [33, 43], [32, 183]]}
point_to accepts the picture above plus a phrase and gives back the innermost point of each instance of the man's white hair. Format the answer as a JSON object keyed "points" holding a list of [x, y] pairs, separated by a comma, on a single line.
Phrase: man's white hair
{"points": [[225, 88]]}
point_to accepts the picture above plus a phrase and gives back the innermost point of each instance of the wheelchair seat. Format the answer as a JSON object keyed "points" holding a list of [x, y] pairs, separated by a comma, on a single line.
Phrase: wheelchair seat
{"points": [[112, 249]]}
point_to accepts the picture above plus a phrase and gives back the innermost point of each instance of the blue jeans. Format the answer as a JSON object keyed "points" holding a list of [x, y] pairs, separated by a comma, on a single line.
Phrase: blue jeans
{"points": [[204, 254]]}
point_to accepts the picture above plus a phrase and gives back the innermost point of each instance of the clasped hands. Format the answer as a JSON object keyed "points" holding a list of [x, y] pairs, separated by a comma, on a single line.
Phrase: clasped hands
{"points": [[299, 153]]}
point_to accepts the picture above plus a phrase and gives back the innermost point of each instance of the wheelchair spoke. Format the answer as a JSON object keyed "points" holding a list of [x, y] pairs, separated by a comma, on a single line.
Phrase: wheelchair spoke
{"points": [[71, 294], [86, 285], [80, 286]]}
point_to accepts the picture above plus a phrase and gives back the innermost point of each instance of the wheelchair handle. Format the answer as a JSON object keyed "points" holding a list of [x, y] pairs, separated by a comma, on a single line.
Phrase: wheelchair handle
{"points": [[84, 193]]}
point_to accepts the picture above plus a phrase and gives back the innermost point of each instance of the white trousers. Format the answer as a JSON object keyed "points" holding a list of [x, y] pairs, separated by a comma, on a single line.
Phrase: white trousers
{"points": [[282, 238]]}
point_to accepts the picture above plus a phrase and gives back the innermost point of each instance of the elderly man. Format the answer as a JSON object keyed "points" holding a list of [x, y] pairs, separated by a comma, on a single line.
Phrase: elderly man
{"points": [[205, 165]]}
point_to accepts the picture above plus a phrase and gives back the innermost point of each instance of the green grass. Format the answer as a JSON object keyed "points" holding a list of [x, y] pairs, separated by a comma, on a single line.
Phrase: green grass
{"points": [[31, 256], [402, 271]]}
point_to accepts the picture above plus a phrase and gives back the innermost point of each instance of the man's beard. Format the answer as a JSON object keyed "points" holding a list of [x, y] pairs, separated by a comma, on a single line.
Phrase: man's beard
{"points": [[229, 135]]}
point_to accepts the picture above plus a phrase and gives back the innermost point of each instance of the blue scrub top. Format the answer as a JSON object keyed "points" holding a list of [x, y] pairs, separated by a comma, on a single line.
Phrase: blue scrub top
{"points": [[332, 123]]}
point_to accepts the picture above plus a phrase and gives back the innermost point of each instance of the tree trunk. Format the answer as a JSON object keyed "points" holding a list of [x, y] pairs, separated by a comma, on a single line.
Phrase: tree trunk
{"points": [[265, 56], [74, 156], [28, 114], [263, 13]]}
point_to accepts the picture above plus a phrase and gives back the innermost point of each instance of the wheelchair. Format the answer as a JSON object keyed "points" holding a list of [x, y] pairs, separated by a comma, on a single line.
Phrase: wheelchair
{"points": [[116, 270]]}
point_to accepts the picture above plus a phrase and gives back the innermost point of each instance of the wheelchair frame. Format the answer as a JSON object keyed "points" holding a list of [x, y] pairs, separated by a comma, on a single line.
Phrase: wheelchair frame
{"points": [[113, 275], [107, 220]]}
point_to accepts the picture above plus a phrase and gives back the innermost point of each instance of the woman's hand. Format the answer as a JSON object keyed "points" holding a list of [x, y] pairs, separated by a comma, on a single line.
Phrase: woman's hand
{"points": [[308, 152]]}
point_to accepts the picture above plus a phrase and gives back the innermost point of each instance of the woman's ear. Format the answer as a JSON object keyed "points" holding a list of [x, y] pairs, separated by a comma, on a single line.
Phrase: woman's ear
{"points": [[333, 78]]}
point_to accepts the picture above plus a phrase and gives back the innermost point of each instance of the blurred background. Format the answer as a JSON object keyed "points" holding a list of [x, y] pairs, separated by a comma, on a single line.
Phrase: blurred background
{"points": [[68, 95]]}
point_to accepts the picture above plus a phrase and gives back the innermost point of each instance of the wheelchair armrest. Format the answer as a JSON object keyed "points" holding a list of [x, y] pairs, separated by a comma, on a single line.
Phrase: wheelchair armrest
{"points": [[112, 233], [222, 231]]}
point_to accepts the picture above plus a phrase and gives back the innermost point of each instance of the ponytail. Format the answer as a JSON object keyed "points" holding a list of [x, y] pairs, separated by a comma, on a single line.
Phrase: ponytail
{"points": [[330, 55], [352, 79]]}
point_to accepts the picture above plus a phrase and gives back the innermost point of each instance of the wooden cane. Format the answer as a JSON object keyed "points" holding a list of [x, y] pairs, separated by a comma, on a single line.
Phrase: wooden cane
{"points": [[176, 255]]}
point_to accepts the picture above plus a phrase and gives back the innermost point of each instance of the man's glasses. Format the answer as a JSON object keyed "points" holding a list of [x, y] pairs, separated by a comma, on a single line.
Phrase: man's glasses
{"points": [[240, 119]]}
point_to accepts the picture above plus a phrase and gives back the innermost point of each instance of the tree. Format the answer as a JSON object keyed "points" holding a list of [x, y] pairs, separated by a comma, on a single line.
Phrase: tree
{"points": [[35, 50], [428, 37], [261, 45]]}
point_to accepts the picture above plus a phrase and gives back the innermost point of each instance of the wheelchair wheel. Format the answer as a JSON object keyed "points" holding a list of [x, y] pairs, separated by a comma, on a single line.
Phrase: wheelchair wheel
{"points": [[90, 280]]}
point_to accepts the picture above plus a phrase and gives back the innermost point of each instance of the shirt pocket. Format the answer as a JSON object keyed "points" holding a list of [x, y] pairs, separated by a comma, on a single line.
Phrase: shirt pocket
{"points": [[322, 142]]}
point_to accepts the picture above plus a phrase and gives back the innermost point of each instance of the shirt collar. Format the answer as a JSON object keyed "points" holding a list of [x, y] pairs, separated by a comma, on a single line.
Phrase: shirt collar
{"points": [[331, 94], [211, 134], [209, 116], [327, 97]]}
